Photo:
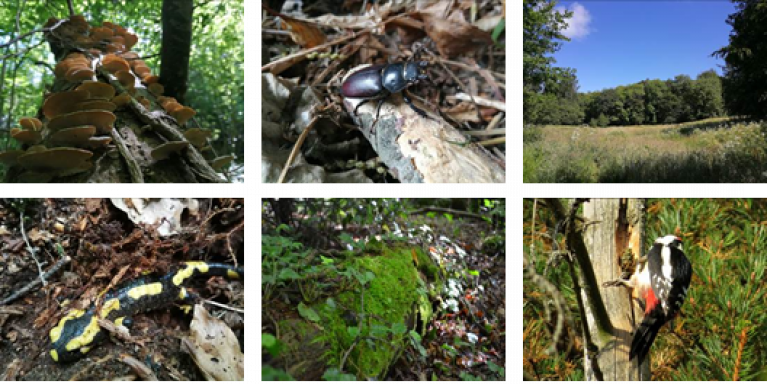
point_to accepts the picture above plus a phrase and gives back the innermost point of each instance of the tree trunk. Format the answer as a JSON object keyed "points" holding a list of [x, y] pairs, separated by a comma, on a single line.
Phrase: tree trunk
{"points": [[176, 45], [615, 232]]}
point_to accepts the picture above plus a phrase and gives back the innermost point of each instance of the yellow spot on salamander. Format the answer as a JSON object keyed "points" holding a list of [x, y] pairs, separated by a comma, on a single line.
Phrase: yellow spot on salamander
{"points": [[145, 290], [182, 293], [119, 321], [109, 306], [232, 274], [56, 331], [89, 333], [54, 355], [188, 271]]}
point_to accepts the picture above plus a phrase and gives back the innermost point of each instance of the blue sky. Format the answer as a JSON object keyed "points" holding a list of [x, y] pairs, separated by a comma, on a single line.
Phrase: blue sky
{"points": [[622, 42]]}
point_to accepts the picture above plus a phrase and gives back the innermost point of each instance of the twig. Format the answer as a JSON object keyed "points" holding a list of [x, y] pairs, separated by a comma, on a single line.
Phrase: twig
{"points": [[740, 353], [62, 262], [71, 8], [32, 251], [485, 102], [217, 304], [295, 150], [43, 30]]}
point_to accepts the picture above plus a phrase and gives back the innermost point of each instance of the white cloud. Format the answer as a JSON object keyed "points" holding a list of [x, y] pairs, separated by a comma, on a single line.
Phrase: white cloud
{"points": [[579, 24]]}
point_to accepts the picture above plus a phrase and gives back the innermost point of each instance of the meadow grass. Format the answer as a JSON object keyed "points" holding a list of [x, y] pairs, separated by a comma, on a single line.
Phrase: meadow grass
{"points": [[707, 151]]}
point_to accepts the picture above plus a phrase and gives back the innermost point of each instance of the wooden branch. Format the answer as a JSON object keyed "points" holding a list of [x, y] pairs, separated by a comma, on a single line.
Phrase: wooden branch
{"points": [[133, 167]]}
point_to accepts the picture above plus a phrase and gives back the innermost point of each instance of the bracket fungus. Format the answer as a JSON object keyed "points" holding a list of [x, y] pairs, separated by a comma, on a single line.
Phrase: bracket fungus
{"points": [[98, 142], [30, 134], [122, 99], [114, 63], [98, 104], [156, 89], [126, 79], [9, 157], [27, 137], [102, 33], [151, 79], [183, 114], [141, 69], [172, 106], [31, 123], [63, 102], [97, 90], [75, 67], [58, 161], [221, 162], [197, 137], [76, 136], [179, 112], [165, 150], [102, 120]]}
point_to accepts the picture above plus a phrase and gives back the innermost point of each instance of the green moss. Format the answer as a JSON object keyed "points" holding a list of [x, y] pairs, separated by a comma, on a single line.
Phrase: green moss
{"points": [[391, 297], [426, 265]]}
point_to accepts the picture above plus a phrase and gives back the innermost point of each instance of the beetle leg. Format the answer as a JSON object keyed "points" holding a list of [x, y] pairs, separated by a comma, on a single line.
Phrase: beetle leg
{"points": [[416, 109], [378, 109], [359, 105]]}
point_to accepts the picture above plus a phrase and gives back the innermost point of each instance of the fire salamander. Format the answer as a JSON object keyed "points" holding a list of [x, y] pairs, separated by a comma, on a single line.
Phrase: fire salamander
{"points": [[78, 331]]}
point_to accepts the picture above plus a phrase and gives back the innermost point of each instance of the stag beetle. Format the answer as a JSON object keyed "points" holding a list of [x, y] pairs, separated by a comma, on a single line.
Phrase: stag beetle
{"points": [[379, 81]]}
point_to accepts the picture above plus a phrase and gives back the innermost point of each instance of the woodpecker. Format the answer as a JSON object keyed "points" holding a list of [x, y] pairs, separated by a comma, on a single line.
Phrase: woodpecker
{"points": [[661, 283]]}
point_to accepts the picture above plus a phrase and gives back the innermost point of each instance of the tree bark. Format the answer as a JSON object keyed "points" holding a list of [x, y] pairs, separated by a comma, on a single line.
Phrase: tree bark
{"points": [[176, 47]]}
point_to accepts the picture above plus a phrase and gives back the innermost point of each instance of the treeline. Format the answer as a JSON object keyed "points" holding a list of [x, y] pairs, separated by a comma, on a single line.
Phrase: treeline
{"points": [[551, 93], [677, 100]]}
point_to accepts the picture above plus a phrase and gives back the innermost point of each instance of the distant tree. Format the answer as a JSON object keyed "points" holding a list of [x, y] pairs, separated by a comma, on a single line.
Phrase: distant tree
{"points": [[603, 121], [684, 88], [655, 91], [609, 104], [632, 97], [745, 78], [600, 121], [709, 101], [542, 36], [561, 105], [549, 113]]}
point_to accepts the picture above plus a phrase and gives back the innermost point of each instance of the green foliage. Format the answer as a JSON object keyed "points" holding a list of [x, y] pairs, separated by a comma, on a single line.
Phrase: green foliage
{"points": [[557, 104], [281, 258], [308, 313], [708, 95], [656, 102], [531, 134], [415, 341], [533, 163], [333, 374], [541, 28], [272, 345], [217, 73], [269, 373], [498, 31], [465, 376], [745, 79], [601, 121]]}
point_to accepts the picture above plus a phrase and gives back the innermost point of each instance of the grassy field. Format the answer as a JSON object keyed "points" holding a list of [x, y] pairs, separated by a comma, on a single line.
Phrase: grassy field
{"points": [[707, 151]]}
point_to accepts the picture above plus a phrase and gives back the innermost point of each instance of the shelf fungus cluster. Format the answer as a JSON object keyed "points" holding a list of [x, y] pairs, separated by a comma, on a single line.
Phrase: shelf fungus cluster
{"points": [[109, 47], [77, 122], [179, 112], [107, 38]]}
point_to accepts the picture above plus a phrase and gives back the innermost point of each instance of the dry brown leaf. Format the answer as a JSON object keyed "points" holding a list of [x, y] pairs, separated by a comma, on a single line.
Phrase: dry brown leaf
{"points": [[214, 347]]}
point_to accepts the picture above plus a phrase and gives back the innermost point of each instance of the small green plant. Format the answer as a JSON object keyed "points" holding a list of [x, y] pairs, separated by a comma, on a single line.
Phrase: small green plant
{"points": [[333, 374], [269, 373], [274, 347], [281, 257]]}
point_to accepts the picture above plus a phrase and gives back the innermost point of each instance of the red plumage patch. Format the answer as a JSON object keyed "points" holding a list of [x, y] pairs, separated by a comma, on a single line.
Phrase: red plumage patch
{"points": [[650, 301]]}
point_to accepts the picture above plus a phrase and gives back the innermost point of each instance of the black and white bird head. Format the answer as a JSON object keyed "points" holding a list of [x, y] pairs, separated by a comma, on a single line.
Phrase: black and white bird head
{"points": [[670, 241]]}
